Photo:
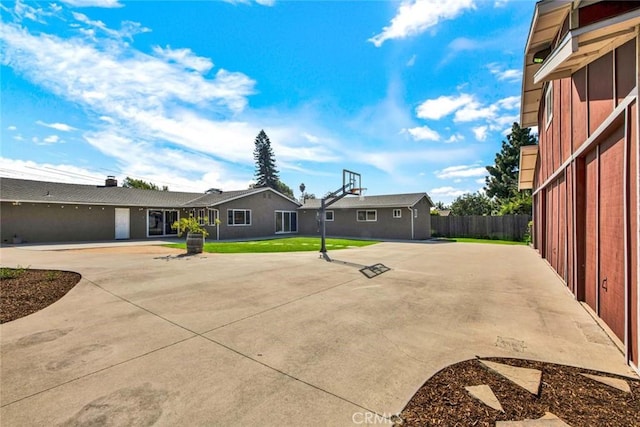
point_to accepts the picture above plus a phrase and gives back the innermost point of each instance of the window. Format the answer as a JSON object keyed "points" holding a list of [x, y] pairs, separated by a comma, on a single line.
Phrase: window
{"points": [[286, 222], [397, 213], [201, 217], [213, 216], [367, 216], [159, 222], [415, 213], [328, 215], [548, 103], [239, 216]]}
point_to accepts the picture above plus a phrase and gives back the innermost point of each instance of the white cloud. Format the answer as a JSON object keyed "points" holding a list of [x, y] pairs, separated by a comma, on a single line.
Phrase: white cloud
{"points": [[51, 139], [57, 126], [423, 133], [474, 111], [412, 61], [481, 181], [260, 2], [480, 132], [463, 171], [392, 161], [454, 138], [18, 138], [12, 128], [500, 3], [416, 16], [447, 192], [93, 3], [442, 106], [128, 29], [509, 103], [510, 75], [185, 57]]}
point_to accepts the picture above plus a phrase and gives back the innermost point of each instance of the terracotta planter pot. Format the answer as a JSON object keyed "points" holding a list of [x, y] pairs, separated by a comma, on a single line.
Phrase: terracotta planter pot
{"points": [[195, 243]]}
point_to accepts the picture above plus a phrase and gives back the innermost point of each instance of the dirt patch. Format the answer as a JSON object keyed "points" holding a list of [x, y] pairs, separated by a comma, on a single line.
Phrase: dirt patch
{"points": [[25, 291], [577, 400]]}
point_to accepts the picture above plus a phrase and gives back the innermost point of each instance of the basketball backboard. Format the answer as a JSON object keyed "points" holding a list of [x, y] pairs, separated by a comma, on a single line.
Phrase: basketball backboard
{"points": [[351, 182]]}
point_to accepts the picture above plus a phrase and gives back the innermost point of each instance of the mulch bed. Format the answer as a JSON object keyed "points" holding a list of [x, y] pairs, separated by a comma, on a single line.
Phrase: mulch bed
{"points": [[24, 291], [578, 401]]}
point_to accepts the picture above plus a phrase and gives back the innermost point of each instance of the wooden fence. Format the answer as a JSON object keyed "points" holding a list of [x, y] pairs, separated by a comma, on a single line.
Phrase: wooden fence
{"points": [[506, 227]]}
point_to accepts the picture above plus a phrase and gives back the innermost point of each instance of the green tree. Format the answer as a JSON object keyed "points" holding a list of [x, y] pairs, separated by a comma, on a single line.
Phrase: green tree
{"points": [[440, 206], [471, 204], [284, 189], [266, 172], [144, 185], [502, 182]]}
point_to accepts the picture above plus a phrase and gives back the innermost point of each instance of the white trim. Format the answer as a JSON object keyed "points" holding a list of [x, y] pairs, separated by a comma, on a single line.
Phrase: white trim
{"points": [[570, 44], [637, 174], [366, 215], [276, 212], [625, 228], [593, 138], [399, 213], [245, 218], [333, 215], [548, 105]]}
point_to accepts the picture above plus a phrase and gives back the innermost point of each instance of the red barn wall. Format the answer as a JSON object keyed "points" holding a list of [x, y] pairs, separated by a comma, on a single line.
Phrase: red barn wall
{"points": [[586, 214]]}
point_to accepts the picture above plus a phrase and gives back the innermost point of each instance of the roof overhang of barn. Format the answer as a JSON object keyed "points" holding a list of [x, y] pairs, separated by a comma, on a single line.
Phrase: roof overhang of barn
{"points": [[584, 45], [547, 21], [527, 167]]}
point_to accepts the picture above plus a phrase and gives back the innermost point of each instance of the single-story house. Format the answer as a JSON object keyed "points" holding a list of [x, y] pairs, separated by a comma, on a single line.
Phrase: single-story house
{"points": [[391, 216], [580, 88], [37, 211]]}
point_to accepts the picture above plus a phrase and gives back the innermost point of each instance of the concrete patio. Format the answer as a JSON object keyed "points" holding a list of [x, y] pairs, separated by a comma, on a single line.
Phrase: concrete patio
{"points": [[278, 339]]}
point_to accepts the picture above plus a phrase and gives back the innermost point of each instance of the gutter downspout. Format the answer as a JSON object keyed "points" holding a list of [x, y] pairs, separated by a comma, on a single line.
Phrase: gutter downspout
{"points": [[412, 234]]}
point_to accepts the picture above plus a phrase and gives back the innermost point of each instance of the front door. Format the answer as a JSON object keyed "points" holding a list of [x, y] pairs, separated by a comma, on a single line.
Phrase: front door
{"points": [[122, 223]]}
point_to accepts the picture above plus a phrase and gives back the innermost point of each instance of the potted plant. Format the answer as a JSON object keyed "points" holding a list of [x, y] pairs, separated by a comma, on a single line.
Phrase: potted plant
{"points": [[195, 233]]}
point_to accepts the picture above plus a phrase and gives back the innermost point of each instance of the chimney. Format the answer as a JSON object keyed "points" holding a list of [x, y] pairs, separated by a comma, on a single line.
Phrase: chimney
{"points": [[111, 181]]}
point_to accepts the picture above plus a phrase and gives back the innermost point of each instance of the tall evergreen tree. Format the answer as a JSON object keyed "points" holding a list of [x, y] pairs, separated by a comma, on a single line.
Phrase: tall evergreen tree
{"points": [[502, 182], [266, 172]]}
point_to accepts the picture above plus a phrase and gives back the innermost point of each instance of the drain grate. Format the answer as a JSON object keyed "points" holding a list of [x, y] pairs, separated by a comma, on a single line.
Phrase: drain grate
{"points": [[374, 270]]}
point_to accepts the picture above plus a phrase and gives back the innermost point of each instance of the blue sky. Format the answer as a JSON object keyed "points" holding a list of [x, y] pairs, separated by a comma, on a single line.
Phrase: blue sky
{"points": [[415, 95]]}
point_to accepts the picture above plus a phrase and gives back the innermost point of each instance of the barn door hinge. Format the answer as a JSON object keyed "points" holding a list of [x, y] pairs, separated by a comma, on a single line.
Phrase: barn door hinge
{"points": [[604, 284]]}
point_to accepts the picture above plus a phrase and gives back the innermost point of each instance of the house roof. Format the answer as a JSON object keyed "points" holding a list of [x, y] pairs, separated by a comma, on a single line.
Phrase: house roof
{"points": [[384, 201], [547, 20], [23, 190]]}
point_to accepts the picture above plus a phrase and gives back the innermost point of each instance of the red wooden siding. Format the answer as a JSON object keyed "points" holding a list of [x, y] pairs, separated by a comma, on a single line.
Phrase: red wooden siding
{"points": [[611, 233], [565, 118], [578, 108], [600, 90], [625, 69], [562, 228], [590, 234], [570, 239]]}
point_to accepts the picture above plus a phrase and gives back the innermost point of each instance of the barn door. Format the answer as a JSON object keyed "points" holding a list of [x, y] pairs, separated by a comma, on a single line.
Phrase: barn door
{"points": [[611, 234]]}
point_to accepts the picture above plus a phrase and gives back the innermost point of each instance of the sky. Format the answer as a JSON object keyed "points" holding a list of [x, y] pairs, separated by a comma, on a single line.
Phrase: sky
{"points": [[416, 95]]}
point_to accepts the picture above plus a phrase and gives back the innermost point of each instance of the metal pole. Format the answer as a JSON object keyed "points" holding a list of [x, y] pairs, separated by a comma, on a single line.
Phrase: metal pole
{"points": [[323, 247]]}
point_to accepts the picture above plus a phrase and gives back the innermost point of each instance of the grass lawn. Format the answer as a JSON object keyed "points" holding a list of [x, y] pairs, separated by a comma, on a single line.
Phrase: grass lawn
{"points": [[289, 244], [470, 240]]}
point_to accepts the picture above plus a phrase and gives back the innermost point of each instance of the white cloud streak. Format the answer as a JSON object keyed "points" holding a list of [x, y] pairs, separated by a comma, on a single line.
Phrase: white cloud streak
{"points": [[57, 126], [93, 3], [416, 16], [462, 171], [423, 133]]}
